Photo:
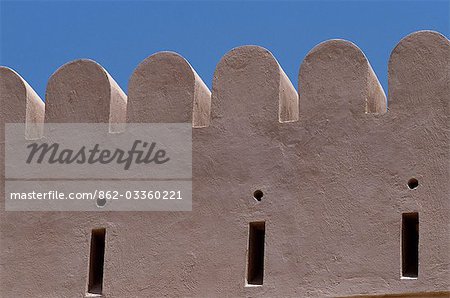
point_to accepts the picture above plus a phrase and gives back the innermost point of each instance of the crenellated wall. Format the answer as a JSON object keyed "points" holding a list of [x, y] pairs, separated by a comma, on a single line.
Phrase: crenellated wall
{"points": [[333, 163]]}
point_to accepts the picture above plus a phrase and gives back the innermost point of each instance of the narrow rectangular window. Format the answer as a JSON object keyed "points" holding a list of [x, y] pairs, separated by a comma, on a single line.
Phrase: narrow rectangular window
{"points": [[410, 245], [96, 261], [255, 263]]}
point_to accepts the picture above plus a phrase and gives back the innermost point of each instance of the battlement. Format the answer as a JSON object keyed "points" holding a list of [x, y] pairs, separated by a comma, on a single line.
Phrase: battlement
{"points": [[330, 165], [165, 88]]}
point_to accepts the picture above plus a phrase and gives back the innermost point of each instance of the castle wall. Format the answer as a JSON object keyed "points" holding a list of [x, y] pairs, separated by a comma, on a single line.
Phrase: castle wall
{"points": [[333, 164]]}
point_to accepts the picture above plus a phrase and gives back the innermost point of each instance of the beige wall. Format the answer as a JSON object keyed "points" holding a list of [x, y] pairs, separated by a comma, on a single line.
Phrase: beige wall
{"points": [[332, 162]]}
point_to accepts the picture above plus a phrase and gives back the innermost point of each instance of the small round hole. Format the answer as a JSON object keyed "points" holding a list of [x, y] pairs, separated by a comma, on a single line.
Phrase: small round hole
{"points": [[258, 194], [413, 183], [101, 202]]}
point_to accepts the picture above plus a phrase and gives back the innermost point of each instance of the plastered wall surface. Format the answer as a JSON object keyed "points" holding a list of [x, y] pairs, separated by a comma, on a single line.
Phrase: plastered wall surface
{"points": [[332, 160]]}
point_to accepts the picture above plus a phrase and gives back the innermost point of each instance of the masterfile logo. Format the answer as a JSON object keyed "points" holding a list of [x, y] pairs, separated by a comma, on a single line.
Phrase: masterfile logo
{"points": [[51, 154]]}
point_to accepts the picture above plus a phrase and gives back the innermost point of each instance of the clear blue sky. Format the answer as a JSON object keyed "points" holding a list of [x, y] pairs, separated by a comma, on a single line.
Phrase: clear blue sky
{"points": [[38, 37]]}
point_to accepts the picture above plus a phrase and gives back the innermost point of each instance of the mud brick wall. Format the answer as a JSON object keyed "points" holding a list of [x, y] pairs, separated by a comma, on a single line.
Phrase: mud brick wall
{"points": [[331, 162]]}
